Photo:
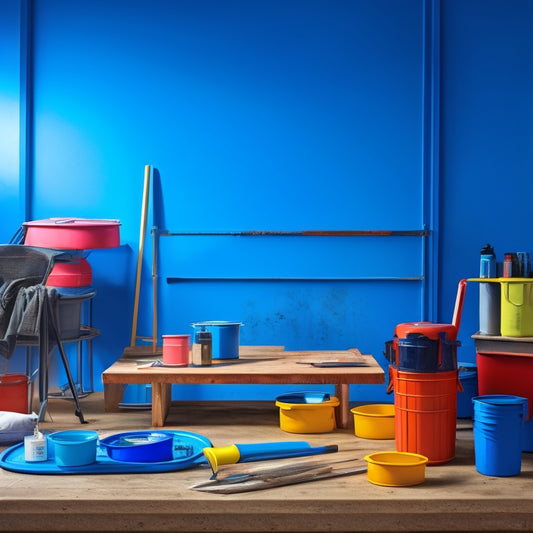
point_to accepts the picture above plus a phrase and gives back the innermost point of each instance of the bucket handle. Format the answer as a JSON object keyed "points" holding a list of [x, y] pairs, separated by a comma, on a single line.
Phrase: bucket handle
{"points": [[507, 297], [285, 407], [459, 301], [390, 386]]}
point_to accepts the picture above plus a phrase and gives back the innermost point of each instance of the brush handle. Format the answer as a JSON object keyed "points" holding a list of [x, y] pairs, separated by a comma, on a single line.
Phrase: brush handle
{"points": [[278, 450]]}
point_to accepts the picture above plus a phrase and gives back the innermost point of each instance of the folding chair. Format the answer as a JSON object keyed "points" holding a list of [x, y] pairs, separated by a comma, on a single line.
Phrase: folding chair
{"points": [[28, 310]]}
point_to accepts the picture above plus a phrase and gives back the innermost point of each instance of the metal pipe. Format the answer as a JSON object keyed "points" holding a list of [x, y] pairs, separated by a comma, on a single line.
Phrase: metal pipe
{"points": [[178, 279], [303, 233]]}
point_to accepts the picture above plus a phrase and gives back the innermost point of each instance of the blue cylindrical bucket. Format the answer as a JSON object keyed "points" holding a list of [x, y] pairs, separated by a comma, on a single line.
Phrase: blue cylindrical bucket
{"points": [[498, 428], [468, 379], [225, 337]]}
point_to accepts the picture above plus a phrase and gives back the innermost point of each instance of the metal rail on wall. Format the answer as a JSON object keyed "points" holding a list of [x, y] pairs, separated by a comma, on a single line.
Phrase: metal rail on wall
{"points": [[422, 233], [302, 233]]}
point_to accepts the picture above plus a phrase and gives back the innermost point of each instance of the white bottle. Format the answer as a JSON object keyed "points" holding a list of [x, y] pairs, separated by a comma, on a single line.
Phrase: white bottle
{"points": [[35, 447]]}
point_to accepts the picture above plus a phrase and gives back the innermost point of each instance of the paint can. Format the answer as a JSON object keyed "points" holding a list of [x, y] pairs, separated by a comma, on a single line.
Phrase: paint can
{"points": [[176, 350]]}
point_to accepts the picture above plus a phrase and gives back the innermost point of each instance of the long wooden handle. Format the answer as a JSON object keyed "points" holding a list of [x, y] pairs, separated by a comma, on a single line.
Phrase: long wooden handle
{"points": [[144, 213], [155, 254]]}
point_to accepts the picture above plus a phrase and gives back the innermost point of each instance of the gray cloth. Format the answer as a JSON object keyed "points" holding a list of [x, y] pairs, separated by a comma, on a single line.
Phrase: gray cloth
{"points": [[21, 320]]}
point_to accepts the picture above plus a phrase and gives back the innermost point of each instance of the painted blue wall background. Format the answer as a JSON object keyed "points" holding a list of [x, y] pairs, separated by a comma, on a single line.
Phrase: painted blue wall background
{"points": [[279, 116]]}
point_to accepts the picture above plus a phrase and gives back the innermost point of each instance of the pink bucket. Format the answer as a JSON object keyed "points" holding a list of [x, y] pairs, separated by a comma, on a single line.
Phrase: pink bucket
{"points": [[176, 350]]}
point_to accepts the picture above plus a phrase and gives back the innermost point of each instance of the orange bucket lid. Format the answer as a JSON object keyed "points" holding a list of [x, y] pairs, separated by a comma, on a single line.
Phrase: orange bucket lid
{"points": [[429, 329]]}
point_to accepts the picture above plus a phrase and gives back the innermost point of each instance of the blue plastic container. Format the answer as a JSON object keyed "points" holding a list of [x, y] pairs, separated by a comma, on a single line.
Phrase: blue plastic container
{"points": [[137, 396], [140, 446], [418, 353], [498, 432], [75, 447], [468, 379], [225, 337]]}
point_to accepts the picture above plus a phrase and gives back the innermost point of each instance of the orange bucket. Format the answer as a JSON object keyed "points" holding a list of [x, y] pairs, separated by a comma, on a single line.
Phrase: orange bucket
{"points": [[425, 413], [14, 393]]}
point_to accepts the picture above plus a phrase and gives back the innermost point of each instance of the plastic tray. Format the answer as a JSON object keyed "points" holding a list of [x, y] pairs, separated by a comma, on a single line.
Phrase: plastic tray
{"points": [[187, 452]]}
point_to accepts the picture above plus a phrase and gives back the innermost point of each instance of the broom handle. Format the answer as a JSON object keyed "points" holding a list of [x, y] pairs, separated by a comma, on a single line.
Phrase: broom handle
{"points": [[141, 251], [155, 253]]}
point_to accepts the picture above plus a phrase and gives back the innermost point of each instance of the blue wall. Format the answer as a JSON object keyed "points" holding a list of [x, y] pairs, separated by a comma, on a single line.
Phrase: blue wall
{"points": [[282, 116]]}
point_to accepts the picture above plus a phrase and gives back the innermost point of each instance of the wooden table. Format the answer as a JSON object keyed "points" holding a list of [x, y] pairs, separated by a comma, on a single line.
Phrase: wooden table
{"points": [[255, 365]]}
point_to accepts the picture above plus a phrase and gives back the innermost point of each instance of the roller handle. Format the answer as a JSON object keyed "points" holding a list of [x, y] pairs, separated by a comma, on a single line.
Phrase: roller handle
{"points": [[277, 450]]}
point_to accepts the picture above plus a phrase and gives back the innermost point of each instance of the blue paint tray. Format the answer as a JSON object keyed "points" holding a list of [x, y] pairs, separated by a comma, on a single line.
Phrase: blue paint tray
{"points": [[187, 451]]}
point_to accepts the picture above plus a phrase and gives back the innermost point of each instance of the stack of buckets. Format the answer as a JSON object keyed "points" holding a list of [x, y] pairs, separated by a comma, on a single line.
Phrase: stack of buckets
{"points": [[425, 380]]}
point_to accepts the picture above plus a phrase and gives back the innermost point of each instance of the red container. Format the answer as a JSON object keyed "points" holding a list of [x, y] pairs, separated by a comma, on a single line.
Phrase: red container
{"points": [[425, 413], [72, 233], [73, 274], [14, 393], [506, 374], [176, 350]]}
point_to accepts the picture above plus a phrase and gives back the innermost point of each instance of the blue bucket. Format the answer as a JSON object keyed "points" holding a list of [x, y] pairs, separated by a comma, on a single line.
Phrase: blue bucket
{"points": [[498, 432], [224, 335], [468, 379]]}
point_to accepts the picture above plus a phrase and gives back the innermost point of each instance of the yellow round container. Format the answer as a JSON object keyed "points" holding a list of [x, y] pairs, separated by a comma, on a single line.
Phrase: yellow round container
{"points": [[374, 421], [396, 469], [308, 417]]}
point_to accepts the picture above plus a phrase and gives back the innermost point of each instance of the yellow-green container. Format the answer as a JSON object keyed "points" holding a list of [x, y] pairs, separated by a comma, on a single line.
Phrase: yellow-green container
{"points": [[308, 417], [516, 307], [374, 421], [396, 469]]}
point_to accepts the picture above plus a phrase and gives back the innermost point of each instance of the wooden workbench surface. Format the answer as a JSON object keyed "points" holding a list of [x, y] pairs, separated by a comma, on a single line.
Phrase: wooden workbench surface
{"points": [[454, 496]]}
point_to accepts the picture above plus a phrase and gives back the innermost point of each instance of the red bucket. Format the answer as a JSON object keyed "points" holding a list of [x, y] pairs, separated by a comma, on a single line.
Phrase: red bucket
{"points": [[14, 393]]}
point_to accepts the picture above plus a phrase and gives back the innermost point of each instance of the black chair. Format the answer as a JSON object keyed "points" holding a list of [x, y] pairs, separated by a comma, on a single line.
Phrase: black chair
{"points": [[29, 310]]}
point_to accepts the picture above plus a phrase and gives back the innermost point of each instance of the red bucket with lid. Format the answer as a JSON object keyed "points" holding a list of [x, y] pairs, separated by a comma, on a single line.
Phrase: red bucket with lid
{"points": [[72, 233], [430, 330]]}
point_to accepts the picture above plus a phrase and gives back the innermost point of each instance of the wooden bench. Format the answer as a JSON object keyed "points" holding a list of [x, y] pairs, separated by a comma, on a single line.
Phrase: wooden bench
{"points": [[263, 365]]}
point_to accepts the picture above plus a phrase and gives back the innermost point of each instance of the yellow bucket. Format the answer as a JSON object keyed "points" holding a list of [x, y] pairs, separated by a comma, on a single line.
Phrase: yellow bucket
{"points": [[308, 417], [396, 469], [516, 307], [374, 421]]}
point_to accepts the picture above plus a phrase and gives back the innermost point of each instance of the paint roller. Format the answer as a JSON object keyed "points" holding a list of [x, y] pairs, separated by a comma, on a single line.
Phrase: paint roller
{"points": [[243, 453]]}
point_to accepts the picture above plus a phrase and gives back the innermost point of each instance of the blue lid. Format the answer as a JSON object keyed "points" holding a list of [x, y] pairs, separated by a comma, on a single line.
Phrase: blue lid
{"points": [[500, 399], [304, 397]]}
